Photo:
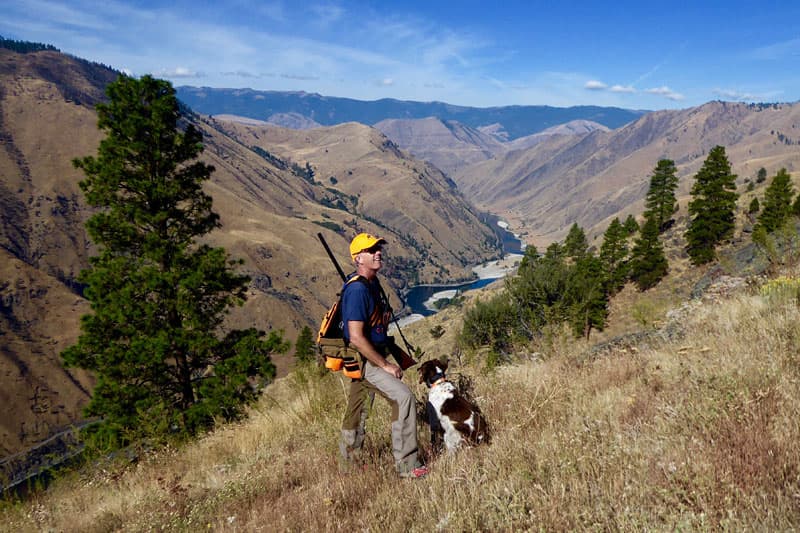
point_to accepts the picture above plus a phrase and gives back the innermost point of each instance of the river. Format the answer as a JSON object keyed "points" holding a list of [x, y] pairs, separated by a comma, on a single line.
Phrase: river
{"points": [[421, 299]]}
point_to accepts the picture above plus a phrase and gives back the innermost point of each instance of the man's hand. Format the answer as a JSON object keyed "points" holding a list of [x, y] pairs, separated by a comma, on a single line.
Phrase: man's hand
{"points": [[393, 369], [365, 348]]}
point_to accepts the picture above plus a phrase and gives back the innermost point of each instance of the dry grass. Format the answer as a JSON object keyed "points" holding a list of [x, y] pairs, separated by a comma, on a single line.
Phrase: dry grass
{"points": [[698, 433]]}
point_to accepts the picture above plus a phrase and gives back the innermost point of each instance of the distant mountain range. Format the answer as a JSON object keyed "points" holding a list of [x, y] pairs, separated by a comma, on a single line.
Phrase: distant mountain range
{"points": [[454, 147], [589, 177], [508, 122]]}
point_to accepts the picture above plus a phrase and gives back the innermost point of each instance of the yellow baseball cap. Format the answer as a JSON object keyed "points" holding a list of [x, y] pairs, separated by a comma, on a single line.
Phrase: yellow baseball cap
{"points": [[363, 241]]}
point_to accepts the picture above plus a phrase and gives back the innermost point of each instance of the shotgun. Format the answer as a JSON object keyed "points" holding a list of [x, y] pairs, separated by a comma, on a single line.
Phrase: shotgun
{"points": [[404, 360]]}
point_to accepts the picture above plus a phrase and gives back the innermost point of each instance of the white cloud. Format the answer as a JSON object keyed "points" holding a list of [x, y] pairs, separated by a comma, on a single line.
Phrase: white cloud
{"points": [[595, 85], [326, 15], [666, 92], [731, 94], [178, 72], [57, 14], [776, 51], [743, 96], [386, 82], [241, 74], [299, 77], [622, 89]]}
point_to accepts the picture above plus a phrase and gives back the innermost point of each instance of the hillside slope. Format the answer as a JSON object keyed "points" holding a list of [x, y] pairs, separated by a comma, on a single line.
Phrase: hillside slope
{"points": [[449, 145], [270, 217], [543, 190], [691, 425], [414, 199]]}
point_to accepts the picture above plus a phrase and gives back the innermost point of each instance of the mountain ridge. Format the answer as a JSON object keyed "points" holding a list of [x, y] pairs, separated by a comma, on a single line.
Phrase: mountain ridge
{"points": [[592, 177], [517, 120]]}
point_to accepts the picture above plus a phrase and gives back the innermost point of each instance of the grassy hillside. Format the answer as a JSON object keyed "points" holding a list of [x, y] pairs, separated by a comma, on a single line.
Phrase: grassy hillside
{"points": [[686, 415]]}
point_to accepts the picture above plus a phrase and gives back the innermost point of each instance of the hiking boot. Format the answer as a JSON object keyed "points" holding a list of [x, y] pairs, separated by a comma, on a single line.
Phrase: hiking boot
{"points": [[415, 473]]}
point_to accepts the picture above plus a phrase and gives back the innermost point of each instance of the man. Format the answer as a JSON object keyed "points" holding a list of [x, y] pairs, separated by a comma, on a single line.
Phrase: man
{"points": [[365, 317]]}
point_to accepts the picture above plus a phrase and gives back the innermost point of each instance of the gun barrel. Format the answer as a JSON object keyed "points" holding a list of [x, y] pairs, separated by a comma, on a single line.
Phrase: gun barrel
{"points": [[332, 257]]}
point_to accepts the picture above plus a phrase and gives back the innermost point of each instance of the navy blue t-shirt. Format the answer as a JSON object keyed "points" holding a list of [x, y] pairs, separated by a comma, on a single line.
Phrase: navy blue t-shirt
{"points": [[358, 304]]}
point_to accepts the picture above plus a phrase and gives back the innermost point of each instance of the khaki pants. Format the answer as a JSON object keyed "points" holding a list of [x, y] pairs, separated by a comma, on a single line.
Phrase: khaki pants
{"points": [[404, 416]]}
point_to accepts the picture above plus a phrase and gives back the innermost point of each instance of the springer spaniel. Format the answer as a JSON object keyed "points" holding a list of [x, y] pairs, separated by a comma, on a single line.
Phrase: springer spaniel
{"points": [[458, 419]]}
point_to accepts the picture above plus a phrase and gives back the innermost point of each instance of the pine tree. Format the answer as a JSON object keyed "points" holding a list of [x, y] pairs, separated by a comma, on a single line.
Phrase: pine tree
{"points": [[304, 347], [754, 207], [575, 244], [539, 287], [796, 206], [530, 257], [630, 225], [777, 202], [648, 265], [586, 296], [614, 256], [158, 297], [660, 202], [712, 208]]}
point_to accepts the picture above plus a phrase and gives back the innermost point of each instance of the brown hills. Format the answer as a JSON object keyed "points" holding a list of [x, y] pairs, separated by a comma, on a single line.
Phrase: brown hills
{"points": [[455, 147], [270, 212], [410, 196], [449, 145], [591, 177]]}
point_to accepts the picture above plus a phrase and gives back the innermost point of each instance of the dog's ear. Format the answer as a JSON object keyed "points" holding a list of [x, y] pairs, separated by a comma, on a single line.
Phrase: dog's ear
{"points": [[423, 371], [443, 363]]}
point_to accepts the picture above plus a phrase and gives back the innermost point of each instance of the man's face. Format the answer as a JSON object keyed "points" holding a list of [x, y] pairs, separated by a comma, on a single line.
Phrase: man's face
{"points": [[372, 258]]}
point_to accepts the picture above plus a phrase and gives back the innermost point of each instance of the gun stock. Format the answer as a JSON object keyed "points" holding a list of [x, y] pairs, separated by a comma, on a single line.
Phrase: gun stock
{"points": [[404, 361]]}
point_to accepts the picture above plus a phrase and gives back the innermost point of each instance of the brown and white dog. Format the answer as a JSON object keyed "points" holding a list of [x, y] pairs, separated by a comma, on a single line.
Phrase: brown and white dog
{"points": [[459, 420]]}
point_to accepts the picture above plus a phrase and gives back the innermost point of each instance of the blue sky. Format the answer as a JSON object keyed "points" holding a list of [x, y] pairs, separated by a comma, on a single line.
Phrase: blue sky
{"points": [[632, 54]]}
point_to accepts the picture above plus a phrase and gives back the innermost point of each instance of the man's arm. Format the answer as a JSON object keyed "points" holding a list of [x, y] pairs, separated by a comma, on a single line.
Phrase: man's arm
{"points": [[365, 348]]}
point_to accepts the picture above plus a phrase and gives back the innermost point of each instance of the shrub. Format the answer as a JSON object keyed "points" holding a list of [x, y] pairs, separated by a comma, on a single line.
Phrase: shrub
{"points": [[437, 331], [781, 289], [490, 323]]}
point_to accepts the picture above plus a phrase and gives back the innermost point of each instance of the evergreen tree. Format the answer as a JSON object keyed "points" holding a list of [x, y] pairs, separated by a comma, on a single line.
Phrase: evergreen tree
{"points": [[158, 297], [614, 256], [575, 244], [538, 289], [492, 323], [777, 202], [630, 225], [648, 264], [755, 206], [712, 208], [304, 347], [586, 296], [761, 177], [530, 256], [660, 202]]}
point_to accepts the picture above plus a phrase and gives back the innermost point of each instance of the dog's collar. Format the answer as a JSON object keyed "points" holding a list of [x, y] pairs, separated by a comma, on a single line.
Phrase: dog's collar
{"points": [[435, 380]]}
